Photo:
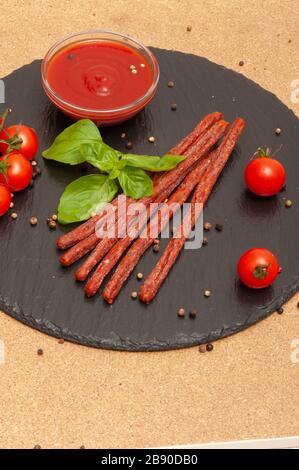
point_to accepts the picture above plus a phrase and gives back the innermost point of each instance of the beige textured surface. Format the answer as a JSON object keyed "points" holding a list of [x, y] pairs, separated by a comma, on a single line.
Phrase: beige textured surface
{"points": [[248, 386]]}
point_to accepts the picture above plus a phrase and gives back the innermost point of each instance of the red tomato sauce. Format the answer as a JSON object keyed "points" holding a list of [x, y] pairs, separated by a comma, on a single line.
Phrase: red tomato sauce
{"points": [[99, 75]]}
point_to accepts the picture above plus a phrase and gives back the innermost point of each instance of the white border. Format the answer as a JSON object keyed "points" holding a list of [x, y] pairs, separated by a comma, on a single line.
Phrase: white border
{"points": [[291, 442]]}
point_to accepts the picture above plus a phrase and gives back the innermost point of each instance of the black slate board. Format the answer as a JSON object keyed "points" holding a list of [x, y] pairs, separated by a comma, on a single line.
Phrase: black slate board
{"points": [[37, 291]]}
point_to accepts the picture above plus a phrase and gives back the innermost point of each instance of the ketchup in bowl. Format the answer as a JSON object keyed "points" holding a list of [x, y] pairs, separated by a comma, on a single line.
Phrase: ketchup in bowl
{"points": [[103, 76]]}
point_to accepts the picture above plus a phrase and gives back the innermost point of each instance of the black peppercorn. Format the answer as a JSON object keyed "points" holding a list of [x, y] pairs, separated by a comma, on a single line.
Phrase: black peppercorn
{"points": [[210, 347], [192, 314]]}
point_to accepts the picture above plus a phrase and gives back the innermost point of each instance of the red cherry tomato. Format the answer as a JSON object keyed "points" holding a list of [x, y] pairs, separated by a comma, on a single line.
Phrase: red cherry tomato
{"points": [[264, 175], [5, 199], [18, 170], [21, 138], [258, 268]]}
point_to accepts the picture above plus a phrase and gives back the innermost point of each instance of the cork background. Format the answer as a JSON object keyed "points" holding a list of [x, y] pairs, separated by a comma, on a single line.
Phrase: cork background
{"points": [[247, 387]]}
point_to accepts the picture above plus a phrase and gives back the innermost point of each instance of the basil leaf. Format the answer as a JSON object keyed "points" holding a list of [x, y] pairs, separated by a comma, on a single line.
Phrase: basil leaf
{"points": [[151, 163], [85, 195], [66, 146], [135, 182], [100, 155]]}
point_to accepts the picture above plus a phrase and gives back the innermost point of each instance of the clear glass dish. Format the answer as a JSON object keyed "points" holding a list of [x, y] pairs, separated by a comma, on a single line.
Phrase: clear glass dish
{"points": [[101, 116]]}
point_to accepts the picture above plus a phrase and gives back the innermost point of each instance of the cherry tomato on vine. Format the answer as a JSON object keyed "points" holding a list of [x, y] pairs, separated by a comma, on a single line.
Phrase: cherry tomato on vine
{"points": [[5, 199], [258, 268], [21, 138], [264, 175], [15, 171]]}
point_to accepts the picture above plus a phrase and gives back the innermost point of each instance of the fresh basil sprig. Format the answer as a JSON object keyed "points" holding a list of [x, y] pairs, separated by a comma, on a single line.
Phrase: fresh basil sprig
{"points": [[135, 182], [82, 142], [84, 196], [66, 146]]}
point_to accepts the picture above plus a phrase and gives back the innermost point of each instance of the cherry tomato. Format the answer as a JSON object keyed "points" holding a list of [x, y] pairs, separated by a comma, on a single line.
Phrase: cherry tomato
{"points": [[5, 199], [258, 268], [264, 175], [18, 170], [21, 138]]}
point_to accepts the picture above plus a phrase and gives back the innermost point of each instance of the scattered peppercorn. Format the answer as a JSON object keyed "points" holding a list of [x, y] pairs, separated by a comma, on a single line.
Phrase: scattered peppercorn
{"points": [[207, 226], [209, 347], [54, 217], [134, 295], [283, 188], [207, 293], [280, 310], [123, 135], [14, 215], [189, 28], [289, 41], [205, 241], [82, 447], [277, 131], [60, 341], [33, 221], [12, 195], [139, 276], [129, 145], [202, 348], [170, 84], [173, 106], [33, 163], [181, 312], [241, 63], [288, 203], [156, 241], [156, 248], [11, 205], [219, 227], [37, 446], [151, 139], [38, 171], [192, 314], [52, 224], [40, 352]]}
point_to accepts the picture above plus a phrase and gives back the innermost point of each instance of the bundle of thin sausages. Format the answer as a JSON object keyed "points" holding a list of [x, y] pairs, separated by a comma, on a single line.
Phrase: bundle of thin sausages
{"points": [[200, 170]]}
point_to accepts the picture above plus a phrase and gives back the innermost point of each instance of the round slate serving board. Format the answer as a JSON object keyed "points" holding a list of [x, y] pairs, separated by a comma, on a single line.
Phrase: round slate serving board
{"points": [[35, 289]]}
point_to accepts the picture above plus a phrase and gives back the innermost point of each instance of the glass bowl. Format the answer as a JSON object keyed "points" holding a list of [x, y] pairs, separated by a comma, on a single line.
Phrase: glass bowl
{"points": [[102, 117]]}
